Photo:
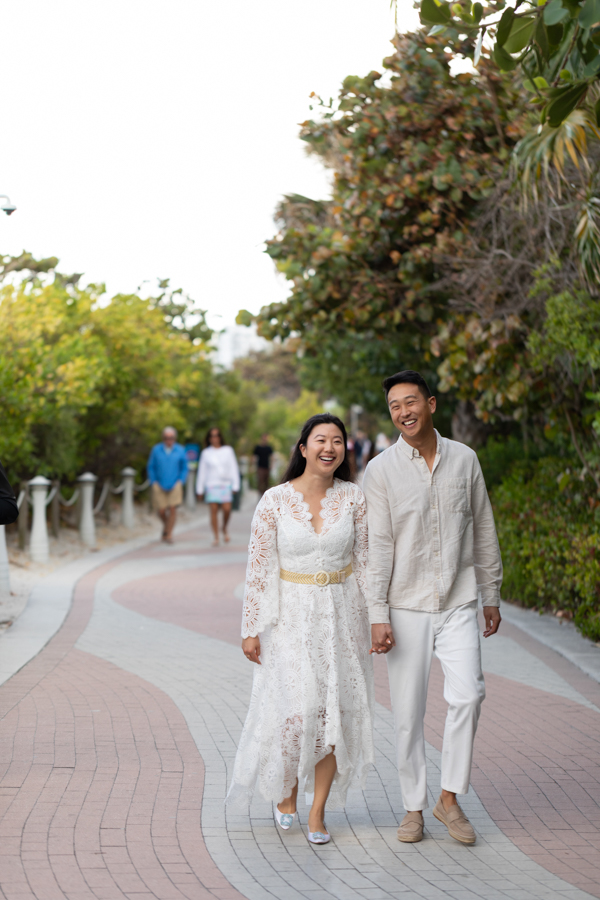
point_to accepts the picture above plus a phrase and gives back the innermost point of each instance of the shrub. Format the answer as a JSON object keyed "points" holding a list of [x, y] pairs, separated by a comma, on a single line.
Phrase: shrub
{"points": [[548, 522], [497, 458]]}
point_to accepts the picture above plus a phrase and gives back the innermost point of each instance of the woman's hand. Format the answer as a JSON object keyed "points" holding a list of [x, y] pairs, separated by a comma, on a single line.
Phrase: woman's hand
{"points": [[251, 648], [382, 638], [200, 498]]}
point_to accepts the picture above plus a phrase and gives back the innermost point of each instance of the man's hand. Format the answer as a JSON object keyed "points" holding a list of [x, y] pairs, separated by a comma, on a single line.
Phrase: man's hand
{"points": [[492, 617], [382, 638], [251, 648]]}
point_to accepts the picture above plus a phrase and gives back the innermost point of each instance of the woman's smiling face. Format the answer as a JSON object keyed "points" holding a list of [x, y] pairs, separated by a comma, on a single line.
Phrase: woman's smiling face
{"points": [[324, 450]]}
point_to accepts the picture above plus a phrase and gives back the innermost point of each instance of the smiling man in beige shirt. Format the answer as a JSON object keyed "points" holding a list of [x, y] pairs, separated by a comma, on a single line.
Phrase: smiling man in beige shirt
{"points": [[433, 551]]}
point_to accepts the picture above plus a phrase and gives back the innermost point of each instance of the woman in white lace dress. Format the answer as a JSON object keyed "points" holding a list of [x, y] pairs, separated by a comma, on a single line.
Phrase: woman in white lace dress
{"points": [[305, 623]]}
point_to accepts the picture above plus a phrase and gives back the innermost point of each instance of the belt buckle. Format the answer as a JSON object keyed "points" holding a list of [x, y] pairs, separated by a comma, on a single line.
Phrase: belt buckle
{"points": [[322, 578]]}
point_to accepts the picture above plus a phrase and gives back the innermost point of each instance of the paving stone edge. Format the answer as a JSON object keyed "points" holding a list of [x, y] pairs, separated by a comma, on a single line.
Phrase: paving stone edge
{"points": [[557, 634], [50, 600]]}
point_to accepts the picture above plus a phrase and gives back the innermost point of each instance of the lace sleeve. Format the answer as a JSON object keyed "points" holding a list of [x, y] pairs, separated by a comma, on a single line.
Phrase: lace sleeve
{"points": [[261, 595], [361, 543]]}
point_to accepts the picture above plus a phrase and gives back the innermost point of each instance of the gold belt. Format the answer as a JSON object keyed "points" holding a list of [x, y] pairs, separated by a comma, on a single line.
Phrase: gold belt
{"points": [[320, 578]]}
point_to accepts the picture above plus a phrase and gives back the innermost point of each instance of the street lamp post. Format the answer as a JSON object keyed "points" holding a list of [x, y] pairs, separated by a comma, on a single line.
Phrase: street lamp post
{"points": [[7, 206]]}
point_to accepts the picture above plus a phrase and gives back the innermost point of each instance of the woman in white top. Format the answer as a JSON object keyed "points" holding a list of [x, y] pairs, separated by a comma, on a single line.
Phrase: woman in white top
{"points": [[217, 480], [305, 623]]}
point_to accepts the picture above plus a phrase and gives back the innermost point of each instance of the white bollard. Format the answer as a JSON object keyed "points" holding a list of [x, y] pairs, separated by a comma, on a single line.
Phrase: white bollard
{"points": [[4, 570], [190, 486], [38, 542], [128, 515], [87, 526]]}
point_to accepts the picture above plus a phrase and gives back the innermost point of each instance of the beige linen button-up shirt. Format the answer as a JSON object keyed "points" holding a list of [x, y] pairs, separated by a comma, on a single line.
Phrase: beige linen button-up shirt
{"points": [[432, 538]]}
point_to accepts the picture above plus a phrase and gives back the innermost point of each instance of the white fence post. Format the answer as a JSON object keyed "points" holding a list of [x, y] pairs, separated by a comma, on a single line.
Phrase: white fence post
{"points": [[38, 543], [4, 570], [128, 484], [87, 526]]}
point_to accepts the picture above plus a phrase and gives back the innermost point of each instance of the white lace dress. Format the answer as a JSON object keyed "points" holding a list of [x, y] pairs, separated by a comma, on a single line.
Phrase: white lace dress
{"points": [[314, 690]]}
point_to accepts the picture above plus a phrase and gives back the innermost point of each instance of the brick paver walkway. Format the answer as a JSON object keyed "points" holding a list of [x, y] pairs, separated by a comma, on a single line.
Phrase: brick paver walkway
{"points": [[116, 739]]}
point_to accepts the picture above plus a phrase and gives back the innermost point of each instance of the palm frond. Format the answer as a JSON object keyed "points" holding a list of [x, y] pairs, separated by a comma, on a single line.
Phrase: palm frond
{"points": [[541, 155], [556, 159], [587, 235]]}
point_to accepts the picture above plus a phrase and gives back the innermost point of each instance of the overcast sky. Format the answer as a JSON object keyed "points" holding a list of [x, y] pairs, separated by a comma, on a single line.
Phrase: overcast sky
{"points": [[145, 139]]}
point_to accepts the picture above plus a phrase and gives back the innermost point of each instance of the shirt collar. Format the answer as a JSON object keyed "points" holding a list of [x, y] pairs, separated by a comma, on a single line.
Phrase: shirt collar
{"points": [[413, 452]]}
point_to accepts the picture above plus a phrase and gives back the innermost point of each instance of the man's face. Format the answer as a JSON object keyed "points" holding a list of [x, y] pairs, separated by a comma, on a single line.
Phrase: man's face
{"points": [[169, 438], [410, 411]]}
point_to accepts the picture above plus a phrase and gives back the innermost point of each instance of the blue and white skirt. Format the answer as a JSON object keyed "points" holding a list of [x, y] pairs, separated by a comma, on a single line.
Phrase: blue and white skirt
{"points": [[218, 494]]}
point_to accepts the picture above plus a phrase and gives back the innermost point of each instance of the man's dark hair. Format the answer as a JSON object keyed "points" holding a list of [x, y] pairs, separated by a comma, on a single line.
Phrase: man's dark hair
{"points": [[406, 377]]}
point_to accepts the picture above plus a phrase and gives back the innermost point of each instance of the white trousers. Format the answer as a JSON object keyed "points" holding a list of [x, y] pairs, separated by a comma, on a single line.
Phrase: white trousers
{"points": [[453, 636]]}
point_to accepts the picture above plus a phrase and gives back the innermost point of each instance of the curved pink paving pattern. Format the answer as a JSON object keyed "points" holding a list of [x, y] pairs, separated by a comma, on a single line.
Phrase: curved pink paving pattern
{"points": [[200, 599], [101, 783], [537, 756]]}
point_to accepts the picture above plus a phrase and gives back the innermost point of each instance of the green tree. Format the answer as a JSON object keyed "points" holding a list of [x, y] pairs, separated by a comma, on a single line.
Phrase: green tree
{"points": [[89, 382], [555, 48], [565, 351], [282, 420], [555, 44], [275, 370], [26, 262], [411, 159], [426, 255]]}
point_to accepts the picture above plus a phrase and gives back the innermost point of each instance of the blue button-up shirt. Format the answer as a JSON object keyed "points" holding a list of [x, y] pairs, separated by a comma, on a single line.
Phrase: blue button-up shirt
{"points": [[167, 468]]}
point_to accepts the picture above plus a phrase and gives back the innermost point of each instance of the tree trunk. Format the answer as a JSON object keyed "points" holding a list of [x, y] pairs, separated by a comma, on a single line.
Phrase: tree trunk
{"points": [[466, 427]]}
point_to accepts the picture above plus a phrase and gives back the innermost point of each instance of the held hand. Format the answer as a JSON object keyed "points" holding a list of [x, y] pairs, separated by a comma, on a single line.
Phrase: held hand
{"points": [[382, 638], [200, 498], [251, 648], [492, 617]]}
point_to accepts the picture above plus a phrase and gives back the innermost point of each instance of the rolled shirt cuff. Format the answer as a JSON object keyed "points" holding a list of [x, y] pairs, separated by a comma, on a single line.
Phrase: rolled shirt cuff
{"points": [[489, 597], [379, 614]]}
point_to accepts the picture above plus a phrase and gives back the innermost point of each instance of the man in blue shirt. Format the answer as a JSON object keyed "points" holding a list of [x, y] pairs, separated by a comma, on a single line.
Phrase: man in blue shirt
{"points": [[167, 471]]}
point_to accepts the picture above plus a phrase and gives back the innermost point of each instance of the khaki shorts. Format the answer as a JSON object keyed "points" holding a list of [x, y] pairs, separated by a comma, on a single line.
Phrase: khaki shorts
{"points": [[163, 499]]}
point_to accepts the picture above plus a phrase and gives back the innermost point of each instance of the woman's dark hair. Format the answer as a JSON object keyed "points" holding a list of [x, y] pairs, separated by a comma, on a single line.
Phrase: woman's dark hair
{"points": [[207, 442], [297, 463], [406, 377]]}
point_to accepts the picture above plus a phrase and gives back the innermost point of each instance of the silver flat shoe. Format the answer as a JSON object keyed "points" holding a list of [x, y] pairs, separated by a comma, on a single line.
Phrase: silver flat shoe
{"points": [[284, 820], [318, 837]]}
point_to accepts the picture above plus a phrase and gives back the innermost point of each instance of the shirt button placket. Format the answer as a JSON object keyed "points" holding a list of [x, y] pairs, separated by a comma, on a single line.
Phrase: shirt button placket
{"points": [[435, 528]]}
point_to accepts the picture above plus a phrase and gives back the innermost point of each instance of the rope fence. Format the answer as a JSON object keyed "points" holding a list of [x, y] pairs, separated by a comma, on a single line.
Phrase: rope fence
{"points": [[70, 502], [104, 494], [39, 493]]}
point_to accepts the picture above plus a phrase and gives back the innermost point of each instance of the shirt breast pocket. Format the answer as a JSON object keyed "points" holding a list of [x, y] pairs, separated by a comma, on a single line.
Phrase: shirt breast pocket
{"points": [[455, 495]]}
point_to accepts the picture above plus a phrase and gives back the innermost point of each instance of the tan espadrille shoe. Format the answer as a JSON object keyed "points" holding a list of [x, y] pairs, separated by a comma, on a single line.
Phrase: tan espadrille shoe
{"points": [[456, 822], [411, 828]]}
